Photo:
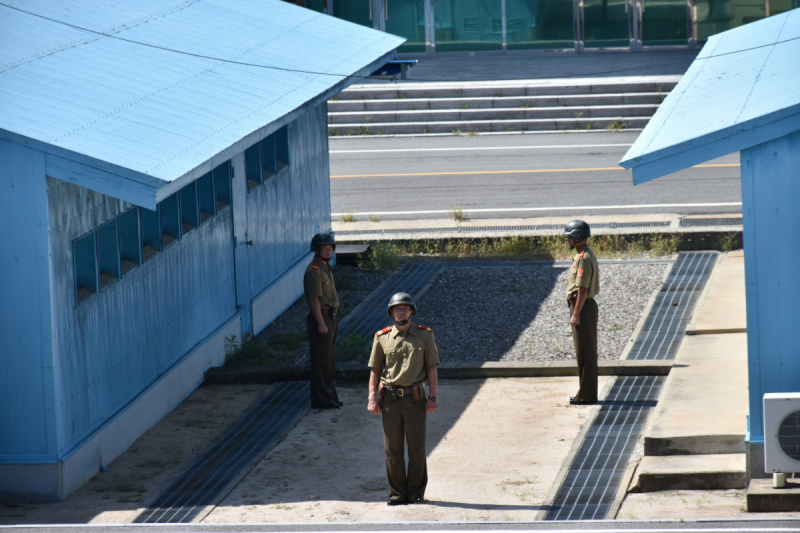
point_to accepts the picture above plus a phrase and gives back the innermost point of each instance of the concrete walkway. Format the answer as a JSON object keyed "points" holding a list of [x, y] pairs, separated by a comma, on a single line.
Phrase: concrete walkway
{"points": [[545, 65], [695, 437]]}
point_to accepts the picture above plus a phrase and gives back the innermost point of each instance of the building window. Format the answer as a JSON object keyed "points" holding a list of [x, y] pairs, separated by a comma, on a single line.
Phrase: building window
{"points": [[170, 220], [83, 250], [108, 253], [282, 147], [151, 232], [269, 163], [222, 185], [120, 245], [190, 218], [252, 158], [205, 197], [129, 247]]}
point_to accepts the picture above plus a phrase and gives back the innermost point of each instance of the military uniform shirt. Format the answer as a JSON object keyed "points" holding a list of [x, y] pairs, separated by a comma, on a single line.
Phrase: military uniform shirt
{"points": [[404, 357], [584, 273], [318, 281]]}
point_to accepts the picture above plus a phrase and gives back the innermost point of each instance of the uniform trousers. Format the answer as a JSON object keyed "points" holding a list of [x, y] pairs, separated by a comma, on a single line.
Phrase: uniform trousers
{"points": [[322, 352], [584, 337], [404, 420]]}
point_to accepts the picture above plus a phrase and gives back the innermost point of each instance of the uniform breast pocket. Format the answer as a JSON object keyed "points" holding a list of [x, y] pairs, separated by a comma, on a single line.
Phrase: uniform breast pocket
{"points": [[392, 357]]}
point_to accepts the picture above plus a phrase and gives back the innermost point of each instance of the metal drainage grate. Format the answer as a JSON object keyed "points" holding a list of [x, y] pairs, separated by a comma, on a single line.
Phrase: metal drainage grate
{"points": [[475, 229], [664, 327], [591, 483], [699, 222], [208, 478], [595, 473]]}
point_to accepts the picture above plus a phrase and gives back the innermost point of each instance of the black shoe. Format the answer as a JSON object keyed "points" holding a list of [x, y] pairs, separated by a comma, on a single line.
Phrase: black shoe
{"points": [[394, 501], [339, 403], [417, 498], [329, 406], [575, 401]]}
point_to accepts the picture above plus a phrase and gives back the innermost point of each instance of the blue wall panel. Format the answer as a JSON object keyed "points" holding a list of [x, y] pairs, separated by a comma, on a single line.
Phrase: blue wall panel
{"points": [[116, 343], [286, 211], [27, 416], [770, 193]]}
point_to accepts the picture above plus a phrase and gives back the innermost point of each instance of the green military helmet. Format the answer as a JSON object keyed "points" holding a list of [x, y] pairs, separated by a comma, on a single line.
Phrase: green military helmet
{"points": [[578, 230], [399, 299], [321, 239]]}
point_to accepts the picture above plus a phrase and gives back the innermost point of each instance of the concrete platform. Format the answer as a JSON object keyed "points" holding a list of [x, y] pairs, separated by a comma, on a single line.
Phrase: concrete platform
{"points": [[722, 307], [703, 407], [761, 497], [690, 472]]}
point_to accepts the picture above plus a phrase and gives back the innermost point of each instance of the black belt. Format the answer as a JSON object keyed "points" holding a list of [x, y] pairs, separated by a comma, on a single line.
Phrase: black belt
{"points": [[330, 311], [400, 391]]}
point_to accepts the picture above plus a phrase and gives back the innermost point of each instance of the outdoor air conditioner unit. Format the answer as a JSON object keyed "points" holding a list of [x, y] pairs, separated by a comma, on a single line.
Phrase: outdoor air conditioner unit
{"points": [[782, 432]]}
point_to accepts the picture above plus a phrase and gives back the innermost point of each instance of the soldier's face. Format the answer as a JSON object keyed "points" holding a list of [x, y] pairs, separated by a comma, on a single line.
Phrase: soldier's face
{"points": [[571, 242], [326, 251], [401, 312]]}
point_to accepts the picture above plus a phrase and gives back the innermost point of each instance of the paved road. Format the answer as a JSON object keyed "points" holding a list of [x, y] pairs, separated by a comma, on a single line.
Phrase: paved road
{"points": [[500, 176], [666, 526]]}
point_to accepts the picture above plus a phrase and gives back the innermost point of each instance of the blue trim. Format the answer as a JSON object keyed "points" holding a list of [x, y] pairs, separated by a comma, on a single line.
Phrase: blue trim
{"points": [[92, 432], [33, 459]]}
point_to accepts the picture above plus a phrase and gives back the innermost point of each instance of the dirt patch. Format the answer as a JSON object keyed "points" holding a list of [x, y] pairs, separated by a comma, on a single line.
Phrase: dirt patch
{"points": [[495, 448], [140, 474], [690, 504]]}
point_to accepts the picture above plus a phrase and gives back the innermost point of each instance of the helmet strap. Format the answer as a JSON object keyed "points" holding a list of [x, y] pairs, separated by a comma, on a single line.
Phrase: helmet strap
{"points": [[401, 322]]}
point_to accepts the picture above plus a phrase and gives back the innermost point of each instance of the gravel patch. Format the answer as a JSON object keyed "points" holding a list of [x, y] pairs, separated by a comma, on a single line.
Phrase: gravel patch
{"points": [[521, 313]]}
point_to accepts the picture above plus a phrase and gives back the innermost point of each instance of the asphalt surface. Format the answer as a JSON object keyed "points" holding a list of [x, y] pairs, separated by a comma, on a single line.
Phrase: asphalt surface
{"points": [[499, 176], [776, 525]]}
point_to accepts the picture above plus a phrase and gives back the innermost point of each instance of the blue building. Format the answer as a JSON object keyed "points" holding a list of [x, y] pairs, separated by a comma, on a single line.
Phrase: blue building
{"points": [[163, 166], [742, 93]]}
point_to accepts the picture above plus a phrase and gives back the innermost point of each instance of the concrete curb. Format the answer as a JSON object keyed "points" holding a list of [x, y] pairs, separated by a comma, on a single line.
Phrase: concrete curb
{"points": [[360, 372]]}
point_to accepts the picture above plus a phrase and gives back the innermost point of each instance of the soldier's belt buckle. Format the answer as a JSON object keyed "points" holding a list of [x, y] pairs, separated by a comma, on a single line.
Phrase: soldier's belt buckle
{"points": [[400, 392]]}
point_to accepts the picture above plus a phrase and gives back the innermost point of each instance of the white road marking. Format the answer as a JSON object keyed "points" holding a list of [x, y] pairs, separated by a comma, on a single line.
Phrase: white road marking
{"points": [[474, 149], [520, 209]]}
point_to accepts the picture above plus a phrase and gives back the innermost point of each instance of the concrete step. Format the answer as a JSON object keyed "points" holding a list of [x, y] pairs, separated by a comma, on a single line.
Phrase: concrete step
{"points": [[456, 127], [503, 102], [468, 115], [690, 472], [761, 497], [508, 89]]}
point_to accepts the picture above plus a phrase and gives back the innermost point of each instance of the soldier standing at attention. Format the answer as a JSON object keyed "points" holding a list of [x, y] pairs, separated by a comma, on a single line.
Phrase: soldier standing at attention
{"points": [[322, 322], [583, 286], [404, 356]]}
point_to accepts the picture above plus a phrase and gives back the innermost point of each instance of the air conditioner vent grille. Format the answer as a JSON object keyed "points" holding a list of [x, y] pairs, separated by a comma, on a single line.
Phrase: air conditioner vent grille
{"points": [[789, 435]]}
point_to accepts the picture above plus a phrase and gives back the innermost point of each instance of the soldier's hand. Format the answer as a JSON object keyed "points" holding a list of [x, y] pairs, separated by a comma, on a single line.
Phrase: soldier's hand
{"points": [[575, 320], [322, 329], [431, 406], [373, 407]]}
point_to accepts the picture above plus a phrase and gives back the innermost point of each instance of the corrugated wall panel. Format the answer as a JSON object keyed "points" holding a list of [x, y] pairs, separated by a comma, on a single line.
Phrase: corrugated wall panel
{"points": [[285, 212], [770, 189], [113, 345], [26, 359]]}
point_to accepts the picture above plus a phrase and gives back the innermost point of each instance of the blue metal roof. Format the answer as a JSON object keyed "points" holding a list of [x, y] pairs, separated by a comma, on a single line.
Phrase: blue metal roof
{"points": [[743, 89], [152, 115]]}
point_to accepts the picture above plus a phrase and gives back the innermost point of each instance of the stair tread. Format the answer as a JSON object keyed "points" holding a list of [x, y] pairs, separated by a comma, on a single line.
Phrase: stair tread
{"points": [[686, 464]]}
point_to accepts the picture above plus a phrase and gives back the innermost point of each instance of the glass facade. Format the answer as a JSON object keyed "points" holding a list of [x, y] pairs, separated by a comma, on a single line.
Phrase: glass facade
{"points": [[664, 23], [468, 25], [478, 25], [532, 24], [406, 18], [715, 16], [605, 24]]}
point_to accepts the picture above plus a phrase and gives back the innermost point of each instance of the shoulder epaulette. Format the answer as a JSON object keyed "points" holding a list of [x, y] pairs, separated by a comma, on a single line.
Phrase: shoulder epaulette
{"points": [[580, 255], [314, 267], [425, 327], [384, 330]]}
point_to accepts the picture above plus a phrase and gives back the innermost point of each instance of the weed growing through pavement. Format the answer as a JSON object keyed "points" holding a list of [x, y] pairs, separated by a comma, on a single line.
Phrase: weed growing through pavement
{"points": [[353, 347], [457, 133], [615, 125], [277, 349], [472, 134], [730, 242], [348, 217], [465, 106], [384, 257], [457, 213], [373, 218]]}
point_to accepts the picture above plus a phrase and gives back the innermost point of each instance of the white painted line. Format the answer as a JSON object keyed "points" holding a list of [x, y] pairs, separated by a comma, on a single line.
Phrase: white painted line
{"points": [[562, 208], [475, 149]]}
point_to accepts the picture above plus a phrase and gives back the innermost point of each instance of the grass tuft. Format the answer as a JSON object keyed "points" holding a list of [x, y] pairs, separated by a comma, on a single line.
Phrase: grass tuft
{"points": [[384, 257], [278, 349], [348, 217], [373, 218], [457, 213]]}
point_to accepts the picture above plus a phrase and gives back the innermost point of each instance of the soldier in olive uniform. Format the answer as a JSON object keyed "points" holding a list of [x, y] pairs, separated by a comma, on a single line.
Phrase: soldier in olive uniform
{"points": [[583, 286], [403, 357], [322, 322]]}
